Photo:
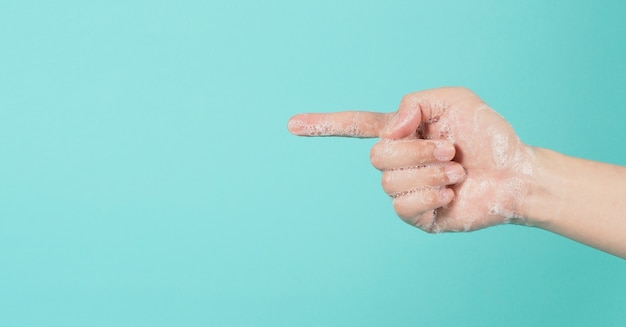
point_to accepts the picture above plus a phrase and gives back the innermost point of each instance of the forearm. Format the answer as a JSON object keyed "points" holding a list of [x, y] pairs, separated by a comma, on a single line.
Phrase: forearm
{"points": [[579, 199]]}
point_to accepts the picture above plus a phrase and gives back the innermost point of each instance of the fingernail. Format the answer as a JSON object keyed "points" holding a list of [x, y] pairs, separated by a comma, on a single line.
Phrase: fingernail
{"points": [[444, 151], [454, 173]]}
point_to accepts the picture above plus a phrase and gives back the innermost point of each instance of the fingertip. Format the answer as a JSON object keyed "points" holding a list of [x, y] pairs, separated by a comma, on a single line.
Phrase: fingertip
{"points": [[300, 125], [455, 173], [444, 150], [446, 195], [296, 124]]}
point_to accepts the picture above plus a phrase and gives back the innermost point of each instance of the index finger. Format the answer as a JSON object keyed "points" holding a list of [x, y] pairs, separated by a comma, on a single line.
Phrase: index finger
{"points": [[361, 124]]}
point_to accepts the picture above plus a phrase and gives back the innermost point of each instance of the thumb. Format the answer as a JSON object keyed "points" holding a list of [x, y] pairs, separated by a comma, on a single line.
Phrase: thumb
{"points": [[420, 107], [404, 123]]}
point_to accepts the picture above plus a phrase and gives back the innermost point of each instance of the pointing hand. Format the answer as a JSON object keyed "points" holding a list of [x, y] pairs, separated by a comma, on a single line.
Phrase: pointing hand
{"points": [[448, 161]]}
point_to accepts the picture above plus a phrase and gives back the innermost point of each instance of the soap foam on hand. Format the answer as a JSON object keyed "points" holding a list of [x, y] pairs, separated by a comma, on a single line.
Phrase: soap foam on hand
{"points": [[359, 124]]}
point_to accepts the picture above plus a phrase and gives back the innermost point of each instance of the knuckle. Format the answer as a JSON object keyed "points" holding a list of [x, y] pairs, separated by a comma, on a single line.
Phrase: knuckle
{"points": [[407, 97], [463, 89], [403, 210], [387, 181], [430, 229], [410, 100], [375, 155], [424, 222], [379, 155], [412, 209]]}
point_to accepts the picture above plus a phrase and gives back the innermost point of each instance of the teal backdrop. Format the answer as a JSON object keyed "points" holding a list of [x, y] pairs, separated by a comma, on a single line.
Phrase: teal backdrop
{"points": [[147, 177]]}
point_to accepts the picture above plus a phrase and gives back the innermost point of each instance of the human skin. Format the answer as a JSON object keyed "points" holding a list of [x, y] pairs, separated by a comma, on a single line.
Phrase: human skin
{"points": [[451, 163]]}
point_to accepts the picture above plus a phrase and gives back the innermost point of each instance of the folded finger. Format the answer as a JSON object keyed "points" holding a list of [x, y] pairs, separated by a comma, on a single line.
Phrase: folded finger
{"points": [[410, 205], [399, 180], [407, 153]]}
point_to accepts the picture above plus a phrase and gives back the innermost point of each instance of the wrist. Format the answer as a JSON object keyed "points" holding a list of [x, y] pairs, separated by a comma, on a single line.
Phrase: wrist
{"points": [[547, 184]]}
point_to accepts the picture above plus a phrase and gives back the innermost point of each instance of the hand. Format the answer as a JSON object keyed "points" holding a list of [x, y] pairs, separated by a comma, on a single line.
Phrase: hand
{"points": [[449, 162]]}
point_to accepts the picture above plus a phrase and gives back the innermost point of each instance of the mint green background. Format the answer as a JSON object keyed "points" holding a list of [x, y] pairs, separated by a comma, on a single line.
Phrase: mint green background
{"points": [[147, 177]]}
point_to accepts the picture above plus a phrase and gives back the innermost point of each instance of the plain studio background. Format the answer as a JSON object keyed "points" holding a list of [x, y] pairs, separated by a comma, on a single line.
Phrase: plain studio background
{"points": [[147, 177]]}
